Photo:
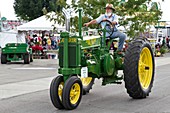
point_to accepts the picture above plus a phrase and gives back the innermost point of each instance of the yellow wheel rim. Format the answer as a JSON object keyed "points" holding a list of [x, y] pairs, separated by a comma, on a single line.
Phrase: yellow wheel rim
{"points": [[75, 93], [86, 81], [60, 90], [145, 68]]}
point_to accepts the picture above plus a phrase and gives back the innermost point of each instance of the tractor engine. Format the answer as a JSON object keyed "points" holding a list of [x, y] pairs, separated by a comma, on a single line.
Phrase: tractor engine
{"points": [[73, 51]]}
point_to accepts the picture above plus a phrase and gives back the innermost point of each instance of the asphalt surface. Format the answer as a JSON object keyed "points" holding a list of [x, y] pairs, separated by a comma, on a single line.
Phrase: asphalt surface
{"points": [[18, 71], [101, 99]]}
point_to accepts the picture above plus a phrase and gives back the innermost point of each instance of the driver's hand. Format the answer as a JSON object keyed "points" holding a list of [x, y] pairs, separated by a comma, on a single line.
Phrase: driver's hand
{"points": [[104, 19], [86, 24]]}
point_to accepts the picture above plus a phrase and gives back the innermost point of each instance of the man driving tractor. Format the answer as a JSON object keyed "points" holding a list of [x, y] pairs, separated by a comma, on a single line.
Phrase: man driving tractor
{"points": [[109, 15]]}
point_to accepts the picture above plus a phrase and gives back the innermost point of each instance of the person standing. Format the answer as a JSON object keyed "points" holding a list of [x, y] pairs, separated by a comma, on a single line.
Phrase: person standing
{"points": [[167, 42]]}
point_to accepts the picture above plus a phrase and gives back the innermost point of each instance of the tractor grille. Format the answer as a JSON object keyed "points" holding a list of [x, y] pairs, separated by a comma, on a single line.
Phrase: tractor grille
{"points": [[71, 54]]}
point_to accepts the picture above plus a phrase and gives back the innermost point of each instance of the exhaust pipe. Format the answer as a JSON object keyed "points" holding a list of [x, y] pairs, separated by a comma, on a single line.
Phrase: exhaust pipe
{"points": [[67, 16]]}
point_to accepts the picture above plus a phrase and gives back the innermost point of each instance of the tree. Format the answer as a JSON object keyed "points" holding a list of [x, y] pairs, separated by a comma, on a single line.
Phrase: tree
{"points": [[31, 9], [135, 15]]}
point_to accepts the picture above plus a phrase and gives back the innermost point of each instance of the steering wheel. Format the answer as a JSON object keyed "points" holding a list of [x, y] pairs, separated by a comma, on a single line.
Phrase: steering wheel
{"points": [[106, 24]]}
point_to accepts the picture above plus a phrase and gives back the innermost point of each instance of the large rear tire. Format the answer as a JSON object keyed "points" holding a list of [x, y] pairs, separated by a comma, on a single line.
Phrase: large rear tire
{"points": [[139, 68], [87, 84], [56, 89], [3, 59], [72, 93]]}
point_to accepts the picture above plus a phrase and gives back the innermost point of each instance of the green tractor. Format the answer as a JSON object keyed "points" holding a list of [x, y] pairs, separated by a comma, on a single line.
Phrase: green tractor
{"points": [[84, 58], [16, 52]]}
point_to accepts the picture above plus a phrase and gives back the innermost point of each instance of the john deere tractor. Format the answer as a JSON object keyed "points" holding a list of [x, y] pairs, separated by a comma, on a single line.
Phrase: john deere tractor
{"points": [[84, 58]]}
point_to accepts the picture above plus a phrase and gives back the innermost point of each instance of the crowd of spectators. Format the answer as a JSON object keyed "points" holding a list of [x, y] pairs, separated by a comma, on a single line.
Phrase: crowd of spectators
{"points": [[165, 41], [41, 43], [162, 43]]}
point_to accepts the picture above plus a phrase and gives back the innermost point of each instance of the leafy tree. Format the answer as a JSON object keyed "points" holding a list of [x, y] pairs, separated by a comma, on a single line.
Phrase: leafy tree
{"points": [[135, 15], [31, 9]]}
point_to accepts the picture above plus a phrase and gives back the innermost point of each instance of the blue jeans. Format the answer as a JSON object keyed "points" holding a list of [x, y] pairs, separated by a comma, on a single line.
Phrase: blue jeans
{"points": [[121, 36]]}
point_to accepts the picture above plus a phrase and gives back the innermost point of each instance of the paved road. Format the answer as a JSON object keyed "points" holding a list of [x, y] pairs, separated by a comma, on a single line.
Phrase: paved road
{"points": [[24, 89]]}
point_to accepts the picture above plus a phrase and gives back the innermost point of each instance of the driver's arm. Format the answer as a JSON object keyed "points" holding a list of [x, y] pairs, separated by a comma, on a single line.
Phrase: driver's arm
{"points": [[97, 20], [91, 22]]}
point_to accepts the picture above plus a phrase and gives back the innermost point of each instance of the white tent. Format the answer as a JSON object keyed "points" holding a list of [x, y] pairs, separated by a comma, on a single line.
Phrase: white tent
{"points": [[11, 37], [41, 23]]}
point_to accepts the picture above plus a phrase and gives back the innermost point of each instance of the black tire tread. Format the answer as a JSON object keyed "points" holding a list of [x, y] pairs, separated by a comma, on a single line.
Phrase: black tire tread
{"points": [[86, 89], [132, 83], [54, 92], [3, 58], [66, 92]]}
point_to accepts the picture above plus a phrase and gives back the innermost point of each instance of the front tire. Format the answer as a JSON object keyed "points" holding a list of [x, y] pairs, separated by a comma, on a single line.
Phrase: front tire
{"points": [[3, 59], [72, 93], [139, 67], [56, 89]]}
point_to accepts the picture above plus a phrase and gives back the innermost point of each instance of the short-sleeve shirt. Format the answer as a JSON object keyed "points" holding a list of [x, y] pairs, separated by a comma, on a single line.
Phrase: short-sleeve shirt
{"points": [[114, 17]]}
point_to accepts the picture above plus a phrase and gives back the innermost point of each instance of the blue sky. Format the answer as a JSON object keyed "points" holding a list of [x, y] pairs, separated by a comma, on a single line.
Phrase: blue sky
{"points": [[6, 9]]}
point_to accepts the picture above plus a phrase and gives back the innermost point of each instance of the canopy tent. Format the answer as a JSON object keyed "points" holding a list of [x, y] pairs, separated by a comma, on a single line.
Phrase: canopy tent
{"points": [[11, 37], [40, 24]]}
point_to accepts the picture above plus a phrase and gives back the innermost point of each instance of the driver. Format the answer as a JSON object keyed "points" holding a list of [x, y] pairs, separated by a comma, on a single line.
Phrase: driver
{"points": [[109, 15]]}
